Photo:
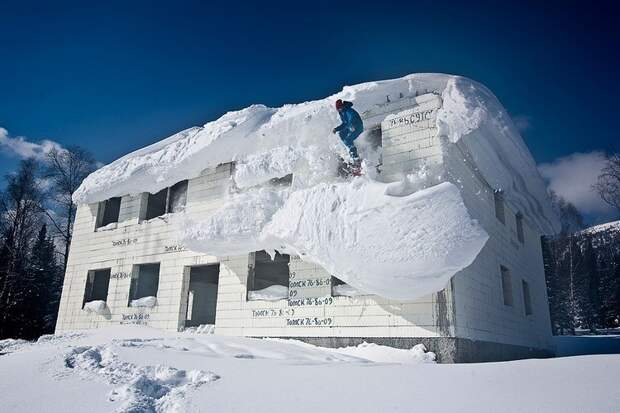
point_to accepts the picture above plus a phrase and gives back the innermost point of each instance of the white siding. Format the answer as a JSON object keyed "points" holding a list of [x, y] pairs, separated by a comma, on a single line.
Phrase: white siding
{"points": [[131, 243], [480, 311]]}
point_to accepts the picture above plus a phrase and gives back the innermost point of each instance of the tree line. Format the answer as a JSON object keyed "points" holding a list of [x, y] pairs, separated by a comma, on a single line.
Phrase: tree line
{"points": [[36, 224], [583, 280], [582, 266]]}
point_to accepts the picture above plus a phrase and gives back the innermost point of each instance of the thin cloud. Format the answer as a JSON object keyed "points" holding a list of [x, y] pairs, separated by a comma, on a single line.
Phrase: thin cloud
{"points": [[572, 178], [23, 148]]}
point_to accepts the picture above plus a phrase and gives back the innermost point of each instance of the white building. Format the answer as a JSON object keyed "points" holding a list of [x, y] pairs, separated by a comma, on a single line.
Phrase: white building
{"points": [[127, 248]]}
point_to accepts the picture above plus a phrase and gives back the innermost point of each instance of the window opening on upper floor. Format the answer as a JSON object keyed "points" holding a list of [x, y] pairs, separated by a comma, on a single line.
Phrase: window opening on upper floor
{"points": [[519, 220], [506, 286], [498, 197], [168, 200], [108, 212], [286, 180]]}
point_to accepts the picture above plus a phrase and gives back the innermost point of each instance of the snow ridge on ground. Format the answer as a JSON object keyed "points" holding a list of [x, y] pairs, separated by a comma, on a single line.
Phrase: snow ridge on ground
{"points": [[140, 389], [11, 344]]}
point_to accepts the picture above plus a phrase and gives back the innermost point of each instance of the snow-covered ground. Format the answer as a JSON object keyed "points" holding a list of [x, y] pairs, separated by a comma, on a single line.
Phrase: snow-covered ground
{"points": [[138, 369]]}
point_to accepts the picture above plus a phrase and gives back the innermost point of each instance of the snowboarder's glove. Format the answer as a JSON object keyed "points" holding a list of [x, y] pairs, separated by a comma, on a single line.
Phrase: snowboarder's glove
{"points": [[335, 130]]}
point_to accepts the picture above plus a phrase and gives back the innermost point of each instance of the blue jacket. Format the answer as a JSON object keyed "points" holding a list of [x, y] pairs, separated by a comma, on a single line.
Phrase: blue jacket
{"points": [[352, 124]]}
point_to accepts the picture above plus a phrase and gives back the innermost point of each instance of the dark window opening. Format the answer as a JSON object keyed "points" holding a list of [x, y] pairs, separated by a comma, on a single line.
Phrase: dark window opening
{"points": [[519, 219], [527, 300], [156, 204], [108, 211], [168, 200], [178, 197], [335, 284], [337, 281], [286, 180], [265, 272], [499, 206], [144, 281], [97, 283], [202, 295], [341, 288], [506, 286], [374, 138]]}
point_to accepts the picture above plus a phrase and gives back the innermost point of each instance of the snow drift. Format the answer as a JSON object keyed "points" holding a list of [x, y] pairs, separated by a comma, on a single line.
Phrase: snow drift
{"points": [[394, 246], [97, 307], [379, 237], [147, 302], [141, 369]]}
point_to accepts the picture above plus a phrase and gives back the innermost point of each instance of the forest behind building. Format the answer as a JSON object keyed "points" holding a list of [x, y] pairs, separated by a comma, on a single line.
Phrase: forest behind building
{"points": [[582, 266], [36, 223]]}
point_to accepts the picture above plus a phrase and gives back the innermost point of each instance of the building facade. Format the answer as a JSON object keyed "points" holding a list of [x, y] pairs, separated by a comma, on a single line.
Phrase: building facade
{"points": [[126, 253]]}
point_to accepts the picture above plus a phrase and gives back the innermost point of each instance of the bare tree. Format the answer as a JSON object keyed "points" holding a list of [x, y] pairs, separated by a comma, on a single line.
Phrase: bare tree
{"points": [[66, 169], [570, 217], [20, 217], [608, 183], [20, 206]]}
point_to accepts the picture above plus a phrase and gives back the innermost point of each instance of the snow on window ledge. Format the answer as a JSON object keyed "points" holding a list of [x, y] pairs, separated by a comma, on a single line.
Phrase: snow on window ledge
{"points": [[272, 293], [148, 302], [109, 227], [201, 329], [165, 217], [97, 307]]}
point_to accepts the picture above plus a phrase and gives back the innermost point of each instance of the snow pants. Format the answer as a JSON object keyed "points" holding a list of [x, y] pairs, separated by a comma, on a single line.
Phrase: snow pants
{"points": [[347, 137]]}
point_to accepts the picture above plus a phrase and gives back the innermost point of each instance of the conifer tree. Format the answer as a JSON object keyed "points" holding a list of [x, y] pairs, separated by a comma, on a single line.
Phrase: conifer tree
{"points": [[20, 207], [46, 274], [587, 287]]}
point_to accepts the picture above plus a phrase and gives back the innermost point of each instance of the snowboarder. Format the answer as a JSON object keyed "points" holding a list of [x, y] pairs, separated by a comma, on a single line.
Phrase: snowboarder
{"points": [[350, 128]]}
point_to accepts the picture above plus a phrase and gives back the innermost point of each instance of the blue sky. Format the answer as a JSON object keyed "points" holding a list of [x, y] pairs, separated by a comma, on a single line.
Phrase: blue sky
{"points": [[114, 77]]}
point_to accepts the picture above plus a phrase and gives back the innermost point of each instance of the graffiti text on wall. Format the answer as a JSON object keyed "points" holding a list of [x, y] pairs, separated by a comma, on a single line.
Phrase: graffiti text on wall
{"points": [[412, 118], [310, 283], [140, 318], [174, 248], [125, 242], [309, 321], [310, 301], [273, 312], [300, 286], [121, 275]]}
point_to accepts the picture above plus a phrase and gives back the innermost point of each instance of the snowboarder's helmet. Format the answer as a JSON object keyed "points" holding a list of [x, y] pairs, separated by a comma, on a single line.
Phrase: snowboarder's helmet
{"points": [[339, 104]]}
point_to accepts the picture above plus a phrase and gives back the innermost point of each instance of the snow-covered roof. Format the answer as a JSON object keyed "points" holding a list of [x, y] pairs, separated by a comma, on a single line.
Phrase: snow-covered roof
{"points": [[356, 230], [469, 111]]}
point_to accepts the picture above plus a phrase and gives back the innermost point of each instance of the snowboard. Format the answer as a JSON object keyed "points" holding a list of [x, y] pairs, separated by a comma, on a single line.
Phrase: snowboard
{"points": [[349, 169]]}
